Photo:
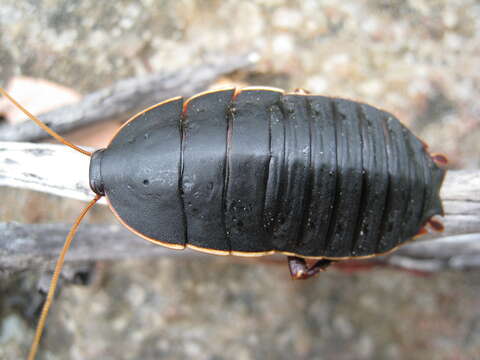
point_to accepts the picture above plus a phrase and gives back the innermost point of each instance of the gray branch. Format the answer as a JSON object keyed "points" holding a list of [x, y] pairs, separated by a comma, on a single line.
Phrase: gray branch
{"points": [[26, 246], [127, 97], [36, 166]]}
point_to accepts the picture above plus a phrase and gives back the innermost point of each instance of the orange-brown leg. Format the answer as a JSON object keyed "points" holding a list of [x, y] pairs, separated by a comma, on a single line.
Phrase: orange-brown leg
{"points": [[425, 145], [300, 270], [432, 223], [421, 232], [439, 159], [436, 225], [301, 91]]}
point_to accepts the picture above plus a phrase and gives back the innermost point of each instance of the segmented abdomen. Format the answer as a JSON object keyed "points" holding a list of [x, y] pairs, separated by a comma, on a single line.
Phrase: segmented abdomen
{"points": [[309, 175]]}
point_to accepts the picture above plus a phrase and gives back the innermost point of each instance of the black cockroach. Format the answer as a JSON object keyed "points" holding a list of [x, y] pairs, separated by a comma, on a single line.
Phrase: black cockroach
{"points": [[258, 171]]}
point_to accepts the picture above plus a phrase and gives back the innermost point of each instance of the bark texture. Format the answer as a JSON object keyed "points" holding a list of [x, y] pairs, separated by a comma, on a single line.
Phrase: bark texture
{"points": [[35, 166]]}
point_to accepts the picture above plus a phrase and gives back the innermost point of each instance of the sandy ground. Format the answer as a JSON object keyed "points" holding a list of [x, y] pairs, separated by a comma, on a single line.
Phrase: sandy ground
{"points": [[417, 59]]}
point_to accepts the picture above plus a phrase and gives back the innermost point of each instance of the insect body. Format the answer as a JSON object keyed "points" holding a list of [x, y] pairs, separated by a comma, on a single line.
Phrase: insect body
{"points": [[257, 171]]}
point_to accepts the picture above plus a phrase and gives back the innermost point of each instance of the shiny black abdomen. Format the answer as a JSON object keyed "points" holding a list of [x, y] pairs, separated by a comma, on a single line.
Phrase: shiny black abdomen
{"points": [[262, 171]]}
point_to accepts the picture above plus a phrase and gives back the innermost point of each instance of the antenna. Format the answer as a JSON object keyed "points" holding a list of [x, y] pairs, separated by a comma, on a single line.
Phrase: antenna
{"points": [[44, 126], [54, 281], [68, 240]]}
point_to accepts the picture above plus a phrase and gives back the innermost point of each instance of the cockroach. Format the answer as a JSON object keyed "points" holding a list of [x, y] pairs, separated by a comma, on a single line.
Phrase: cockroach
{"points": [[257, 171]]}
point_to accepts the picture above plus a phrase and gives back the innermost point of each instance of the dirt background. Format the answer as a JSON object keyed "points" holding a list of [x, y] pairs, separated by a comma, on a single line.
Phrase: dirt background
{"points": [[418, 59]]}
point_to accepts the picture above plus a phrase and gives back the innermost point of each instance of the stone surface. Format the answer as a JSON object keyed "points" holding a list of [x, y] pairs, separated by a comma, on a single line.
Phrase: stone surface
{"points": [[418, 59]]}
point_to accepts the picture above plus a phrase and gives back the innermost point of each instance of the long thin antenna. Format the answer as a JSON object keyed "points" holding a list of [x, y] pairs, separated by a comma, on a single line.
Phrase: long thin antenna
{"points": [[54, 281], [43, 126]]}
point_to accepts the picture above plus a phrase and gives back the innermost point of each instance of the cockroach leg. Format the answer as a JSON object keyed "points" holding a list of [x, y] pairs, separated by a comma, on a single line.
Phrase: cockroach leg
{"points": [[425, 145], [301, 91], [300, 270], [436, 225], [439, 159], [423, 231], [236, 93]]}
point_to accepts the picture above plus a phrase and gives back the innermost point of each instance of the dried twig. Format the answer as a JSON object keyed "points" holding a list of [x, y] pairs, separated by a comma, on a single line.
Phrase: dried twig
{"points": [[26, 246], [35, 166], [54, 169], [127, 97]]}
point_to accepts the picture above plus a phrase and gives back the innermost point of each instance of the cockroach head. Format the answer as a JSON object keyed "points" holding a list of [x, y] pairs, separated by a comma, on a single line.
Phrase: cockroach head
{"points": [[96, 181]]}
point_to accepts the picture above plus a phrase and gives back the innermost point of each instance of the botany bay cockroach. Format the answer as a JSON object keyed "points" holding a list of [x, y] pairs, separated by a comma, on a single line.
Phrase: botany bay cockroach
{"points": [[259, 171]]}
